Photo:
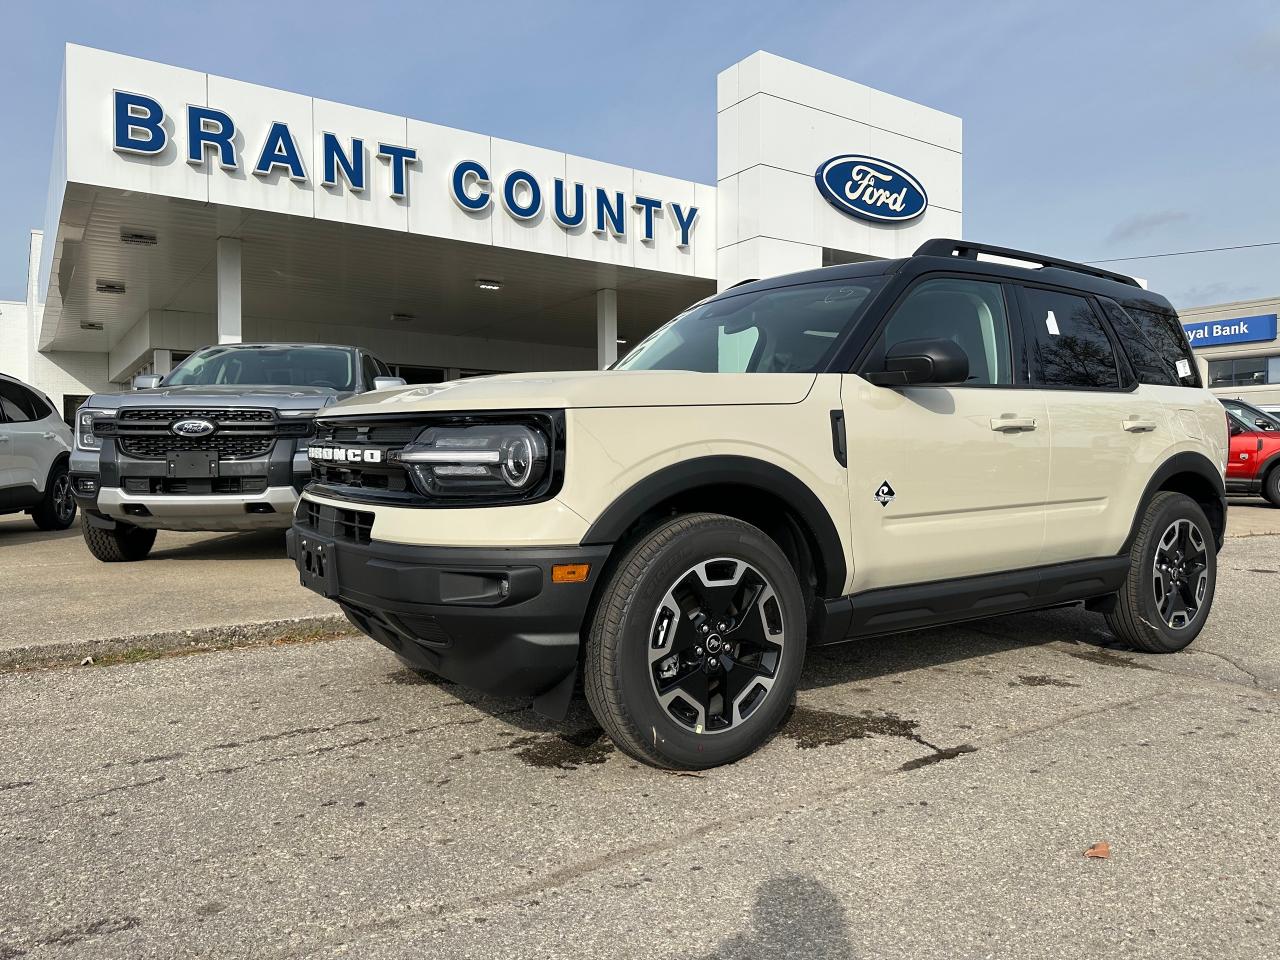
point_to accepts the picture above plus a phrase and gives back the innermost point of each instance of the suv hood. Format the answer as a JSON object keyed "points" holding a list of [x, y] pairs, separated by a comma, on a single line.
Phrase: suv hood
{"points": [[590, 388], [280, 398]]}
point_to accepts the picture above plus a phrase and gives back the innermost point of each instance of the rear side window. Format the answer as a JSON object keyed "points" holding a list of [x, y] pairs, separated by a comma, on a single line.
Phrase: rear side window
{"points": [[1161, 333], [17, 405], [1068, 344]]}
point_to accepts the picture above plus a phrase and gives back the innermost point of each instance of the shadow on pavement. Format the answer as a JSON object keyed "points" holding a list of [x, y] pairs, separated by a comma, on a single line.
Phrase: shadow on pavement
{"points": [[792, 916], [252, 545]]}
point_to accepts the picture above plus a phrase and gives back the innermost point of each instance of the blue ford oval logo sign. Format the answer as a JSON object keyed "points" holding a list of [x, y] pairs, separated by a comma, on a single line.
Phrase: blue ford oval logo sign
{"points": [[871, 189], [192, 428]]}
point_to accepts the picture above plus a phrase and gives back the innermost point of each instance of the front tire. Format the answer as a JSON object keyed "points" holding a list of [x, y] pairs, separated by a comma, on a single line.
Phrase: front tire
{"points": [[57, 511], [1271, 486], [1173, 571], [125, 544], [697, 643]]}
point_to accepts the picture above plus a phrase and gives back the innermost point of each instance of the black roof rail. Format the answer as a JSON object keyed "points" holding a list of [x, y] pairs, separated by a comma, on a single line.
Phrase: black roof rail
{"points": [[970, 251]]}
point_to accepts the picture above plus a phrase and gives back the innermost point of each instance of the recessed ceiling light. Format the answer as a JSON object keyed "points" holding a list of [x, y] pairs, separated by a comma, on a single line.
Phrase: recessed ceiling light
{"points": [[621, 341], [109, 286], [402, 317], [90, 325], [138, 238], [489, 284]]}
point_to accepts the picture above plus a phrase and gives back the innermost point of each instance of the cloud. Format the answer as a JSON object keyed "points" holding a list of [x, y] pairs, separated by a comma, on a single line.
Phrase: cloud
{"points": [[1142, 224], [1210, 293]]}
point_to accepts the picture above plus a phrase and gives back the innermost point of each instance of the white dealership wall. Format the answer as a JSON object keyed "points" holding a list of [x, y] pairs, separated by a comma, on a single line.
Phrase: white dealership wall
{"points": [[777, 122]]}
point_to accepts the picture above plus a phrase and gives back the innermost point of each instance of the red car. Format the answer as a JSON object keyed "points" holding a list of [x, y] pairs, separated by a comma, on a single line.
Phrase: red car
{"points": [[1253, 465]]}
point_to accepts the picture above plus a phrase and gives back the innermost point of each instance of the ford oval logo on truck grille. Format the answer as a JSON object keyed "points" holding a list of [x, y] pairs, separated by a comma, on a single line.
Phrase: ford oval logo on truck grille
{"points": [[192, 428], [871, 189]]}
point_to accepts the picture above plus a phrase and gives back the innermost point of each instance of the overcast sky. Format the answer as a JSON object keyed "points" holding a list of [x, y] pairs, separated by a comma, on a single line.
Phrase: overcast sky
{"points": [[1091, 130]]}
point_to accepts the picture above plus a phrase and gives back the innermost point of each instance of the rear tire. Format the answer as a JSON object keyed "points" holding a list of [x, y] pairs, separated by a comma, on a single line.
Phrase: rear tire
{"points": [[125, 544], [697, 643], [1173, 571], [1271, 486], [57, 511]]}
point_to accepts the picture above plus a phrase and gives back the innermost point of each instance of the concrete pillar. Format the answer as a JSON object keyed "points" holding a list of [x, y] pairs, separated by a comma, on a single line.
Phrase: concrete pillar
{"points": [[606, 327], [229, 320], [161, 361]]}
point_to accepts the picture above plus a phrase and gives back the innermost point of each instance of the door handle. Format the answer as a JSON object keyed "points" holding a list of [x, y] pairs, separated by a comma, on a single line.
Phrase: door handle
{"points": [[1011, 424], [1137, 425]]}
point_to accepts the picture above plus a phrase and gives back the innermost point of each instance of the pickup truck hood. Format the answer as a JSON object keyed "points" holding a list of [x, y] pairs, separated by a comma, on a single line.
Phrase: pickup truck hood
{"points": [[583, 389], [279, 398]]}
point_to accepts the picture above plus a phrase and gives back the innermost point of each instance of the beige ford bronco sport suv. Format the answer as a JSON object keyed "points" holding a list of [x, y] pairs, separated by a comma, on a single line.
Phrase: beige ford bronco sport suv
{"points": [[806, 460]]}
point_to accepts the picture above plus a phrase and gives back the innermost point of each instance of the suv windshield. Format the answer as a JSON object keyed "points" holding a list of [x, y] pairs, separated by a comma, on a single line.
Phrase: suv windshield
{"points": [[267, 366], [784, 330]]}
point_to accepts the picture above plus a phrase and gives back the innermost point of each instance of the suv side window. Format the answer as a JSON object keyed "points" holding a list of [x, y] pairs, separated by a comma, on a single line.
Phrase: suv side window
{"points": [[14, 406], [1156, 344], [1068, 344], [970, 312]]}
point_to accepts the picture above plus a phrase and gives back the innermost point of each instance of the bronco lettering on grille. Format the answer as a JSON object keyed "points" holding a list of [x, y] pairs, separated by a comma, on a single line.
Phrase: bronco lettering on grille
{"points": [[343, 455]]}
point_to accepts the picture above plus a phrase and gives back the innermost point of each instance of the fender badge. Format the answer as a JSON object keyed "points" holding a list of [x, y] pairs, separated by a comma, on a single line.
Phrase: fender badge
{"points": [[884, 494]]}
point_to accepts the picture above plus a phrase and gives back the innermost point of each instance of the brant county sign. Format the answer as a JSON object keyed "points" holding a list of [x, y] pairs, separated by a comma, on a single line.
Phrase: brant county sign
{"points": [[871, 189]]}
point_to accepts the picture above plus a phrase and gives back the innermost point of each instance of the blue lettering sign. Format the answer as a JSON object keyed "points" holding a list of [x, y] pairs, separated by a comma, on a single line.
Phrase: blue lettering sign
{"points": [[210, 128], [649, 207], [511, 198], [466, 174], [1212, 333], [400, 157], [335, 159], [871, 189], [139, 124], [684, 222], [562, 215], [610, 218], [280, 150]]}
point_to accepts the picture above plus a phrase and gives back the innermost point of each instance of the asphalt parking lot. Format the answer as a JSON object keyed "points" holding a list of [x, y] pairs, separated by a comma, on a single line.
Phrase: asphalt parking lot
{"points": [[932, 795]]}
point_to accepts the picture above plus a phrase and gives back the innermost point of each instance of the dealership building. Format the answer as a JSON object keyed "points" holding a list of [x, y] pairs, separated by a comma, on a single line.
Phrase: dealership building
{"points": [[186, 209]]}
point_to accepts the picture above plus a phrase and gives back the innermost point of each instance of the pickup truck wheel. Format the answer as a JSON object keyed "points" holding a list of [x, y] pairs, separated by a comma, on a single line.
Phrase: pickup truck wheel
{"points": [[697, 643], [123, 544], [57, 510], [1271, 486], [1173, 570]]}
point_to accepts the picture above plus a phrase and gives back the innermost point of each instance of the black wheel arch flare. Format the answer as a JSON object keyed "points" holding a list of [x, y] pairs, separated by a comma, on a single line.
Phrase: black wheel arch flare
{"points": [[669, 483], [1190, 473]]}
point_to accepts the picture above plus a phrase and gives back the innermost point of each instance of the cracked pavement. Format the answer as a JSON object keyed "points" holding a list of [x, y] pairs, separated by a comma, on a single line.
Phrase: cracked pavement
{"points": [[931, 796]]}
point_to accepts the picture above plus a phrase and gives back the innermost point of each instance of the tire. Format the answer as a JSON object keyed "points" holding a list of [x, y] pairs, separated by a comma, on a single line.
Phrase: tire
{"points": [[1271, 486], [57, 511], [694, 572], [1161, 610], [124, 544]]}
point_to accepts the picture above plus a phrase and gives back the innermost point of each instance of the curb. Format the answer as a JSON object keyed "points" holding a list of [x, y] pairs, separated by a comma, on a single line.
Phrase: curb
{"points": [[73, 652]]}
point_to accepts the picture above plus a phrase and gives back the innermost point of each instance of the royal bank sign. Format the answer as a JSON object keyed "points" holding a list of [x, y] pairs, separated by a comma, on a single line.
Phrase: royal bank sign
{"points": [[142, 128]]}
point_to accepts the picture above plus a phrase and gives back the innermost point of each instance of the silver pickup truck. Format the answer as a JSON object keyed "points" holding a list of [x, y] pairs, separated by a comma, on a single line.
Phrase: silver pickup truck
{"points": [[217, 444]]}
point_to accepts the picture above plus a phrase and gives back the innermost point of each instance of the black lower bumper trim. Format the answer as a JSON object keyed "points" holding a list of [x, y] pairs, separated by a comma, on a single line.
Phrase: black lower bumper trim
{"points": [[487, 618], [1244, 486]]}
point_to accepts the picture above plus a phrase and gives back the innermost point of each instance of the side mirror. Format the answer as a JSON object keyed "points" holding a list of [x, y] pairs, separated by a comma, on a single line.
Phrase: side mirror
{"points": [[386, 383], [1263, 425], [146, 381], [1234, 428], [909, 362]]}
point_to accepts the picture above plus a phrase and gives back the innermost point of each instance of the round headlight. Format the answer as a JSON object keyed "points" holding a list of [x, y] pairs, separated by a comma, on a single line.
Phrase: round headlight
{"points": [[517, 461]]}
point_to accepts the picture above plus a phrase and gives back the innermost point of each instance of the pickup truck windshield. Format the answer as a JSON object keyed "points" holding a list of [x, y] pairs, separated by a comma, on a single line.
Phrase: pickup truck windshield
{"points": [[785, 330], [267, 366]]}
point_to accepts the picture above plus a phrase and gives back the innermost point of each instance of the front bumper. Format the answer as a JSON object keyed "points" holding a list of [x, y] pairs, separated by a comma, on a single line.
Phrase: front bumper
{"points": [[272, 508], [488, 618]]}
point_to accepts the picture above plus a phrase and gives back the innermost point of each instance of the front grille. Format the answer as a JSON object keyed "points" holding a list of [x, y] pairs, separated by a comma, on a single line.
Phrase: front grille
{"points": [[390, 480], [398, 435], [145, 433], [353, 526], [227, 446], [164, 416]]}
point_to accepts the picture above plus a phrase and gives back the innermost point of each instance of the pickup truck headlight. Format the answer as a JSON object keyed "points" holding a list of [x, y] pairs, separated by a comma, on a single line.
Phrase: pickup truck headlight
{"points": [[489, 461], [86, 439]]}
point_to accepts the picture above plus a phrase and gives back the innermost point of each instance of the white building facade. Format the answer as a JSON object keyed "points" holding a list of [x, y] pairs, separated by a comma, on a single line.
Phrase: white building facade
{"points": [[186, 209]]}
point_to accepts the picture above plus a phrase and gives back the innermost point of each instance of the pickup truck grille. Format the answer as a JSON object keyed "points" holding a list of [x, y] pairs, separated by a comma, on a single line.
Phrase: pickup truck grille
{"points": [[145, 433], [227, 446]]}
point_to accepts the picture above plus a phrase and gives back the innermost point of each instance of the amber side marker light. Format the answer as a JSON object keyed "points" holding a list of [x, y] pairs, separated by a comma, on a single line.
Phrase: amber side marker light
{"points": [[570, 572]]}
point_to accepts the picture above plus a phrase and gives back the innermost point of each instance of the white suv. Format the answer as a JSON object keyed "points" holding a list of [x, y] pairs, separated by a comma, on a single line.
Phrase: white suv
{"points": [[35, 445], [806, 460]]}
